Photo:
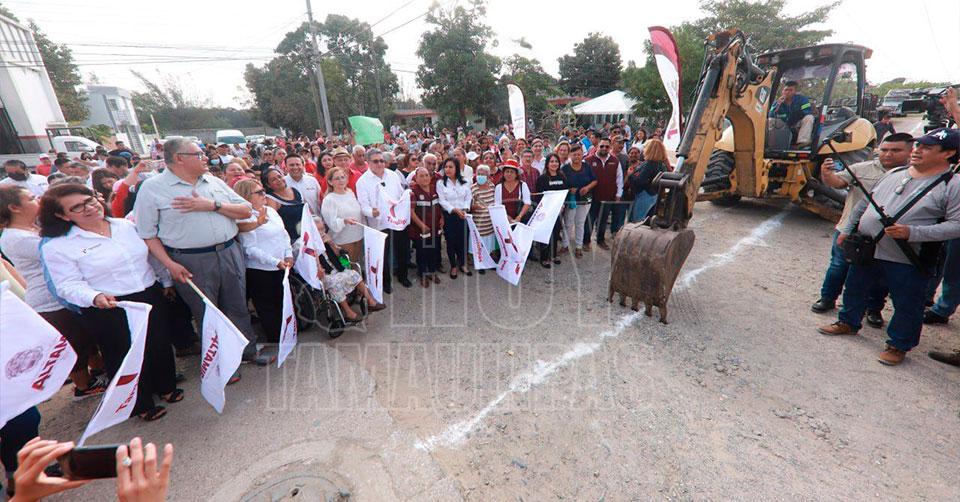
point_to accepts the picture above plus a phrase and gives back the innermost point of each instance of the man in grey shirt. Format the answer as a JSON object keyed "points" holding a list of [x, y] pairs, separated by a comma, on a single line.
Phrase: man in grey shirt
{"points": [[189, 221], [935, 218]]}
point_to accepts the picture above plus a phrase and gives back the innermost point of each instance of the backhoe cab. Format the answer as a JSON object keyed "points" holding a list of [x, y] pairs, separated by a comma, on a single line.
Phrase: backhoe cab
{"points": [[831, 78]]}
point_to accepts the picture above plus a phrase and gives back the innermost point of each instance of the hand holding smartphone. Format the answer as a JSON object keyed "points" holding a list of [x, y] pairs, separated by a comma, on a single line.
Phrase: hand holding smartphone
{"points": [[90, 462]]}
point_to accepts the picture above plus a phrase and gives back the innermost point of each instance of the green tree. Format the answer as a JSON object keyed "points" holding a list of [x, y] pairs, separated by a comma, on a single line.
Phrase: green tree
{"points": [[765, 22], [593, 68], [536, 84], [284, 97], [173, 108], [457, 74], [643, 83], [64, 75], [371, 83]]}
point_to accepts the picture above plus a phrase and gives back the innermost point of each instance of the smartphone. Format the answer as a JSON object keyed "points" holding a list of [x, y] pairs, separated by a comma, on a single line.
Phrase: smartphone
{"points": [[90, 462], [837, 165]]}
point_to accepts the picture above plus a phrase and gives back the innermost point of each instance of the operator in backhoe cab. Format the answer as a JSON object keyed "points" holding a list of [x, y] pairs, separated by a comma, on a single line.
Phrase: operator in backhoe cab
{"points": [[796, 110]]}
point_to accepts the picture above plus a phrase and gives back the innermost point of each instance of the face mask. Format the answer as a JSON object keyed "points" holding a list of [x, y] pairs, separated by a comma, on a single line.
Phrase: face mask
{"points": [[481, 179], [214, 161]]}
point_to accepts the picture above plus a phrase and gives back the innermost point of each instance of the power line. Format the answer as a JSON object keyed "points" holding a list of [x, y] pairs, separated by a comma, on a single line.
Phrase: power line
{"points": [[384, 18]]}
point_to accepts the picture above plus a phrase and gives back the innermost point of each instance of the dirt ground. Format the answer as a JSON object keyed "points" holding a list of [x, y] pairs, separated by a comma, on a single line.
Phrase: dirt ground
{"points": [[477, 390]]}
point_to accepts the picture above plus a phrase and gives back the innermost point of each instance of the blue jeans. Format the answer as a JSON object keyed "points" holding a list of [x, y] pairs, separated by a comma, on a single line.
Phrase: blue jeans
{"points": [[836, 276], [906, 285], [950, 294]]}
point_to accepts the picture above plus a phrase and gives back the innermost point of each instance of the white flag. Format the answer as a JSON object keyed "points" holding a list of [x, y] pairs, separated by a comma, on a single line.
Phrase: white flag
{"points": [[545, 215], [222, 351], [121, 395], [288, 327], [509, 247], [667, 56], [35, 358], [518, 114], [481, 255], [511, 267], [311, 247], [395, 215], [374, 242]]}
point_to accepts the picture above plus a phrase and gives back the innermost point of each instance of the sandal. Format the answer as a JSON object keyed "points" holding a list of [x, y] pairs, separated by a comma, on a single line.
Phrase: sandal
{"points": [[174, 397], [467, 271], [234, 379], [155, 413], [436, 279], [556, 261], [425, 282], [545, 264], [376, 307], [453, 272]]}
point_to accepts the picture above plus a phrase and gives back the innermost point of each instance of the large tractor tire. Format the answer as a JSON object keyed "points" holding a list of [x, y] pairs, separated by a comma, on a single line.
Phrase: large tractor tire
{"points": [[717, 177]]}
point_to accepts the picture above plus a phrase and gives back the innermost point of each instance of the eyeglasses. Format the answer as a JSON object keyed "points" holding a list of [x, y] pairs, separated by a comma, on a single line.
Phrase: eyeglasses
{"points": [[377, 161], [90, 203], [196, 155]]}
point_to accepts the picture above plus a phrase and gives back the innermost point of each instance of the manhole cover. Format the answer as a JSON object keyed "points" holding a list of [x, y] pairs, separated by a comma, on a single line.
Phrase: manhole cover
{"points": [[291, 483]]}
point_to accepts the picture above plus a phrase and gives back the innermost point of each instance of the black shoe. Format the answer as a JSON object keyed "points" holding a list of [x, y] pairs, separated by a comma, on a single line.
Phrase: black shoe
{"points": [[945, 358], [931, 317], [179, 377], [875, 318], [405, 282], [387, 289], [481, 272], [823, 305]]}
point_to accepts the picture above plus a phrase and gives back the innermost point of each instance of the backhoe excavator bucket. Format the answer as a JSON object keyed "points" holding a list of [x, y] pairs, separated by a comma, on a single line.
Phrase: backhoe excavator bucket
{"points": [[645, 264]]}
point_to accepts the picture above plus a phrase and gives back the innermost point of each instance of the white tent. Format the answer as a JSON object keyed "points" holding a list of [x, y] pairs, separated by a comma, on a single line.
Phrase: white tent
{"points": [[611, 103]]}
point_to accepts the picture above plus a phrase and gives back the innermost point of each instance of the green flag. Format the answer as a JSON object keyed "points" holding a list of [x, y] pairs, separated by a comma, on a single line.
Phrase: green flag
{"points": [[366, 130]]}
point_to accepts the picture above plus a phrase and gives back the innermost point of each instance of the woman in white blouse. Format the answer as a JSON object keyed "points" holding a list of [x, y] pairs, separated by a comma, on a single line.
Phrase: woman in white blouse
{"points": [[20, 241], [267, 252], [455, 198], [95, 262], [341, 213]]}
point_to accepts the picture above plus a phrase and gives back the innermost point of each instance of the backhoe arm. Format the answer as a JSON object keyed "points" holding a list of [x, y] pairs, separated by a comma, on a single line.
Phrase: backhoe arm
{"points": [[730, 83]]}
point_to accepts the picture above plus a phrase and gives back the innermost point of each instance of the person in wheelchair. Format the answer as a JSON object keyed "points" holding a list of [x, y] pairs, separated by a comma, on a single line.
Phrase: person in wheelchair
{"points": [[340, 279], [796, 111]]}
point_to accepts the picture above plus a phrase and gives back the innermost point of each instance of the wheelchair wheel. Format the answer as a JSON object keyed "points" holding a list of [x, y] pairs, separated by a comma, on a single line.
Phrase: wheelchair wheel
{"points": [[336, 325], [304, 303]]}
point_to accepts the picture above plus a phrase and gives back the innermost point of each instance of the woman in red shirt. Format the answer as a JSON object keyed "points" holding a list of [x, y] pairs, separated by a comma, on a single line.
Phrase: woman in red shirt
{"points": [[427, 225]]}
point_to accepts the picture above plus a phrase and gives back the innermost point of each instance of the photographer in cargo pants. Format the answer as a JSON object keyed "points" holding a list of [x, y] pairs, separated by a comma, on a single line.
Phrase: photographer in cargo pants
{"points": [[934, 218]]}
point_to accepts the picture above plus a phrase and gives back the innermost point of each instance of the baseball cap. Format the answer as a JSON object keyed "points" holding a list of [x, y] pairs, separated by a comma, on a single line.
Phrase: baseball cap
{"points": [[948, 139], [471, 155]]}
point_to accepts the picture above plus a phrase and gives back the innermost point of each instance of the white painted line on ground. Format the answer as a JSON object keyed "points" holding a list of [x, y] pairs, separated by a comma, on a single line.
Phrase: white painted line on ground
{"points": [[458, 432]]}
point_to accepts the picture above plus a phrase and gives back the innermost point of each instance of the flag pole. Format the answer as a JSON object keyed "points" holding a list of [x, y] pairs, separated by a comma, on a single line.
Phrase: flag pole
{"points": [[197, 290]]}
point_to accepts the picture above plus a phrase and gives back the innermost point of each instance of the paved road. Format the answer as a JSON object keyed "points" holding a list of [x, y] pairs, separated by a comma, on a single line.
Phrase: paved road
{"points": [[480, 391]]}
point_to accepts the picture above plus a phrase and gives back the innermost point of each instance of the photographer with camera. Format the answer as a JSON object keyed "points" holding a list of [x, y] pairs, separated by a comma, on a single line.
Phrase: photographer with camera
{"points": [[931, 196]]}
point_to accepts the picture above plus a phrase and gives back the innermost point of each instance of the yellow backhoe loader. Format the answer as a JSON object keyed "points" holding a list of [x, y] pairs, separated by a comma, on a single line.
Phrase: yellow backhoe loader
{"points": [[737, 144]]}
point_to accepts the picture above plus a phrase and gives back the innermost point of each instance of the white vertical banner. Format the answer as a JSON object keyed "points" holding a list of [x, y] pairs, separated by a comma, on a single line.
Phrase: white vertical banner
{"points": [[545, 215], [518, 112], [395, 215], [121, 395], [511, 267], [222, 349], [481, 255], [35, 358], [667, 56], [288, 322], [509, 247], [374, 242], [311, 247]]}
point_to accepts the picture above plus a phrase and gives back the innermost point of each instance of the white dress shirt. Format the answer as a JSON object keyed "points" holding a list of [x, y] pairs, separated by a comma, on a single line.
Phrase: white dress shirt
{"points": [[34, 183], [373, 191], [454, 195], [268, 244], [309, 189], [84, 264]]}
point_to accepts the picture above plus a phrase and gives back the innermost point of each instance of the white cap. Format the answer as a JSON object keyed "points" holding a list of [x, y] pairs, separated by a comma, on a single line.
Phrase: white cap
{"points": [[471, 155]]}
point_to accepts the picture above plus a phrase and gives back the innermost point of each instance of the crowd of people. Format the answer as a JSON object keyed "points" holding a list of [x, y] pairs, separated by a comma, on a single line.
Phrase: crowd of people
{"points": [[80, 235]]}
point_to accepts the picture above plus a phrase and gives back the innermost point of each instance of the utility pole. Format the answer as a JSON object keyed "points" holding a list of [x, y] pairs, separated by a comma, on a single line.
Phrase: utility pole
{"points": [[319, 71]]}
